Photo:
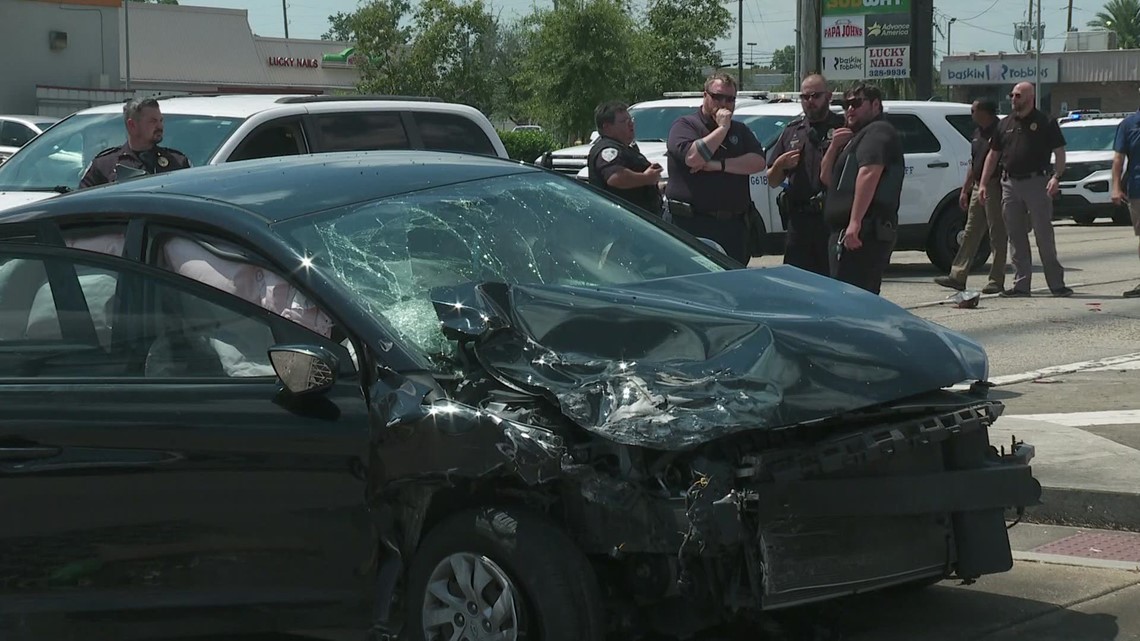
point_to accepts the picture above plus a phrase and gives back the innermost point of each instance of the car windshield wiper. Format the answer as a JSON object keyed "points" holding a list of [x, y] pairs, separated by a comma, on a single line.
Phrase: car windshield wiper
{"points": [[61, 189]]}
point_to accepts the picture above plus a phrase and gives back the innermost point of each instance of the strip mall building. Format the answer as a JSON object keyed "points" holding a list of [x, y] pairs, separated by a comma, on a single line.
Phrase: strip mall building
{"points": [[65, 55]]}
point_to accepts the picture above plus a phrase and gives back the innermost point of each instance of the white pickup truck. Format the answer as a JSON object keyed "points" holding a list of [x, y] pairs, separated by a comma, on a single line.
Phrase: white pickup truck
{"points": [[935, 139]]}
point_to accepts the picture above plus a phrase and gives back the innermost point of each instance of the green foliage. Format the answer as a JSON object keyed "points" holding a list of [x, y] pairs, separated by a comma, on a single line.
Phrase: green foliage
{"points": [[1121, 17], [675, 44], [528, 144], [576, 58], [784, 60]]}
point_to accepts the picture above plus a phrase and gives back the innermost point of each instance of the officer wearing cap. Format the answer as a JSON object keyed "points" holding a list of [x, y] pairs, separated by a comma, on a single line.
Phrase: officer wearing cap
{"points": [[1022, 145], [796, 157], [140, 153], [711, 157], [616, 165]]}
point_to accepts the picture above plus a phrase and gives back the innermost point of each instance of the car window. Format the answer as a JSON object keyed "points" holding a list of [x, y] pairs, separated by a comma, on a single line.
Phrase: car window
{"points": [[766, 128], [58, 157], [390, 254], [652, 124], [282, 137], [63, 318], [15, 134], [360, 131], [963, 124], [1089, 137], [452, 132], [235, 271], [915, 137]]}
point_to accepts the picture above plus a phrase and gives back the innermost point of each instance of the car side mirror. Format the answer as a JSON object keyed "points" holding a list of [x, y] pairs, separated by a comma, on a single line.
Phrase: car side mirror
{"points": [[304, 369]]}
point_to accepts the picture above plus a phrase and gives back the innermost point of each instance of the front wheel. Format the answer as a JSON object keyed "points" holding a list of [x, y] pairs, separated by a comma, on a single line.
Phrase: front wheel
{"points": [[946, 237], [501, 574], [1084, 219]]}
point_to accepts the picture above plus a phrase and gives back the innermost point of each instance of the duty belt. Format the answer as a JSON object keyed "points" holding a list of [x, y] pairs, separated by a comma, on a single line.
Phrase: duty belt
{"points": [[1032, 174], [685, 210]]}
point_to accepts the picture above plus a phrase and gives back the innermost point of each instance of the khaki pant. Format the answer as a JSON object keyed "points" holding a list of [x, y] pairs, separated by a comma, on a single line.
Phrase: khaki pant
{"points": [[1025, 205], [980, 218]]}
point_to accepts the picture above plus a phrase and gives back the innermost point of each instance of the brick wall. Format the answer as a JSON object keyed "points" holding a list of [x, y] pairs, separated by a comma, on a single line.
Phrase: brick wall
{"points": [[1111, 96]]}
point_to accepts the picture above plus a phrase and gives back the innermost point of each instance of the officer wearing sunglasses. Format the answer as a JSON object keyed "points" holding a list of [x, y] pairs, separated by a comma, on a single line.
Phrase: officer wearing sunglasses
{"points": [[863, 170], [796, 157], [710, 157]]}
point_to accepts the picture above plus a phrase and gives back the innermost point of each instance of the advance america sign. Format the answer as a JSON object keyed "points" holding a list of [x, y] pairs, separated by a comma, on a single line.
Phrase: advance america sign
{"points": [[998, 71]]}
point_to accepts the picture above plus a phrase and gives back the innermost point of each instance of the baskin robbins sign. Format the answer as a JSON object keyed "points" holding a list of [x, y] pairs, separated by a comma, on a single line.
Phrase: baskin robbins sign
{"points": [[1003, 71]]}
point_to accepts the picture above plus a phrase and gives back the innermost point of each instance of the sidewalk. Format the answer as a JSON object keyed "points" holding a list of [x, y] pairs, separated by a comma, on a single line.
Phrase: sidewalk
{"points": [[1085, 547], [1088, 464]]}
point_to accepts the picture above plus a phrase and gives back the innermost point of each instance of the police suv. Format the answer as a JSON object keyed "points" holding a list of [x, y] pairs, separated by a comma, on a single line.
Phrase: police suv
{"points": [[228, 128], [1086, 185]]}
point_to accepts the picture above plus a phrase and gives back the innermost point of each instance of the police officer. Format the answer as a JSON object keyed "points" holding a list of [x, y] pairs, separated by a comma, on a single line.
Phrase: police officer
{"points": [[863, 169], [140, 153], [1022, 145], [710, 158], [616, 165], [980, 214], [1126, 180], [796, 156]]}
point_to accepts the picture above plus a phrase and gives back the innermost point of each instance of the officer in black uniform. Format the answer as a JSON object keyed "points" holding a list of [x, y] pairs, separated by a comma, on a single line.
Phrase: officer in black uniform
{"points": [[796, 156], [141, 153], [616, 165]]}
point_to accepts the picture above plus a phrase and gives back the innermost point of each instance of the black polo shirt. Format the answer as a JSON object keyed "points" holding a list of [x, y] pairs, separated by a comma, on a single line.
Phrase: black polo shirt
{"points": [[876, 143], [811, 138], [609, 156], [709, 190], [979, 148], [1026, 144]]}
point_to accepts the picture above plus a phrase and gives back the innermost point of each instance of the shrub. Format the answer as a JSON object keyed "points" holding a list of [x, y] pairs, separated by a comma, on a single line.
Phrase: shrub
{"points": [[527, 145]]}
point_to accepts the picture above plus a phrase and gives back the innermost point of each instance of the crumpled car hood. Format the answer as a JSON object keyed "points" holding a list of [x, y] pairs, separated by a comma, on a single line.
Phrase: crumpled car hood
{"points": [[673, 363]]}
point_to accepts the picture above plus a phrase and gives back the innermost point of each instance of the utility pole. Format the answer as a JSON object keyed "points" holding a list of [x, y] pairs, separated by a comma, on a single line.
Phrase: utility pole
{"points": [[739, 42], [1069, 19], [285, 15], [1037, 73], [127, 39], [751, 60], [808, 38], [948, 26]]}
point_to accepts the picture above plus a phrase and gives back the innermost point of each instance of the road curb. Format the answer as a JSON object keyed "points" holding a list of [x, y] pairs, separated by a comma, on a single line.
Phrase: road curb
{"points": [[1086, 508]]}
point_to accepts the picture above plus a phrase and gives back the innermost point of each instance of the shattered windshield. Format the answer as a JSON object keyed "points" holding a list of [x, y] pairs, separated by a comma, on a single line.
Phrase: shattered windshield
{"points": [[530, 228]]}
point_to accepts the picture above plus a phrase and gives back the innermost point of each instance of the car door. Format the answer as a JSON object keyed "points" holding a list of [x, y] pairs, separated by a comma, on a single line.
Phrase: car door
{"points": [[929, 175], [149, 459]]}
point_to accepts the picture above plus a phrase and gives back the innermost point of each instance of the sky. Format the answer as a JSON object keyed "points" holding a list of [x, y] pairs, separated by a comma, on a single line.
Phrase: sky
{"points": [[982, 25]]}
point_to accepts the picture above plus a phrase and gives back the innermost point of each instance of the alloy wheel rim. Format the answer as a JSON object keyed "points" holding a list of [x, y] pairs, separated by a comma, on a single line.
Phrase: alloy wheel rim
{"points": [[470, 598]]}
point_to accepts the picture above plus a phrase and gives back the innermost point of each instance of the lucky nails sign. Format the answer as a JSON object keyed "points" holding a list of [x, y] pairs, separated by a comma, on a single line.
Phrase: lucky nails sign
{"points": [[865, 39]]}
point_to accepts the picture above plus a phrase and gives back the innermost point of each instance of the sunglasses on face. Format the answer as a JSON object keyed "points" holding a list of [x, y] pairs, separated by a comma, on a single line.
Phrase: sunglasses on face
{"points": [[811, 95], [853, 103], [722, 97]]}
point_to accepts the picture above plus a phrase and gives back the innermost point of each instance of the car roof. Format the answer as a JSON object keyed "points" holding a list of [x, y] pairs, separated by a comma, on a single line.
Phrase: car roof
{"points": [[281, 188], [30, 118], [246, 105]]}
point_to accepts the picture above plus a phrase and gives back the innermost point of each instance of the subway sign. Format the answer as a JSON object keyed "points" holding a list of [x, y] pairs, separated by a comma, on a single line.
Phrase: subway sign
{"points": [[863, 7]]}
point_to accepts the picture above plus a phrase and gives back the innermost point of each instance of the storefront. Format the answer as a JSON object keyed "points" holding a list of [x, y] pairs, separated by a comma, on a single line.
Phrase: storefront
{"points": [[1103, 80], [66, 56]]}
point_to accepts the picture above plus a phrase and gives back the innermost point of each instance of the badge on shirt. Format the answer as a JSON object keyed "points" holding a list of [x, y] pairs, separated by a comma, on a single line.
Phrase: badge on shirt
{"points": [[609, 153], [733, 139], [162, 161], [1032, 126]]}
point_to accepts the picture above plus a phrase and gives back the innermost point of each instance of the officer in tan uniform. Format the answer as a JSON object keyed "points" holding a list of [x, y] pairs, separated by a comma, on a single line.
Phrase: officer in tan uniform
{"points": [[141, 152], [1022, 144]]}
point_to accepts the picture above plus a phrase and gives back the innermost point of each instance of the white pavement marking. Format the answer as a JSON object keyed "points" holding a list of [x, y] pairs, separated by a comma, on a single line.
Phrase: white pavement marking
{"points": [[1086, 419], [1110, 362], [1078, 561]]}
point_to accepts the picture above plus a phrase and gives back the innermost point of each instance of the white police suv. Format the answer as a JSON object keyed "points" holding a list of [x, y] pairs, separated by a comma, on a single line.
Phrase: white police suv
{"points": [[1086, 185]]}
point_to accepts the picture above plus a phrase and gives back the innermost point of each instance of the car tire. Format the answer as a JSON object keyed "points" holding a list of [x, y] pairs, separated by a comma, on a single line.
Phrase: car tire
{"points": [[1084, 219], [554, 594], [943, 242]]}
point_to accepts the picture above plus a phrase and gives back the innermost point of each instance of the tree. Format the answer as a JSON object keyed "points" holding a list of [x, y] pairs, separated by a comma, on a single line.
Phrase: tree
{"points": [[452, 50], [340, 27], [577, 56], [1123, 18], [380, 41], [784, 60], [676, 44]]}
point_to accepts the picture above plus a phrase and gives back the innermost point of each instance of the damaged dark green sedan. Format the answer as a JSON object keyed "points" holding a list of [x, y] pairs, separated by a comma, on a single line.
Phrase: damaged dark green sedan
{"points": [[443, 397]]}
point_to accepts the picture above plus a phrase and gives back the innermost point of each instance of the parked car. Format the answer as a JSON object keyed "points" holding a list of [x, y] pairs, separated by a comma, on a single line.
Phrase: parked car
{"points": [[217, 129], [1086, 184], [17, 131], [462, 393]]}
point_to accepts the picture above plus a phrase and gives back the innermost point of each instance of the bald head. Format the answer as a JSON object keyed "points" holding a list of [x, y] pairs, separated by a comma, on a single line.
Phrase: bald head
{"points": [[1023, 97]]}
